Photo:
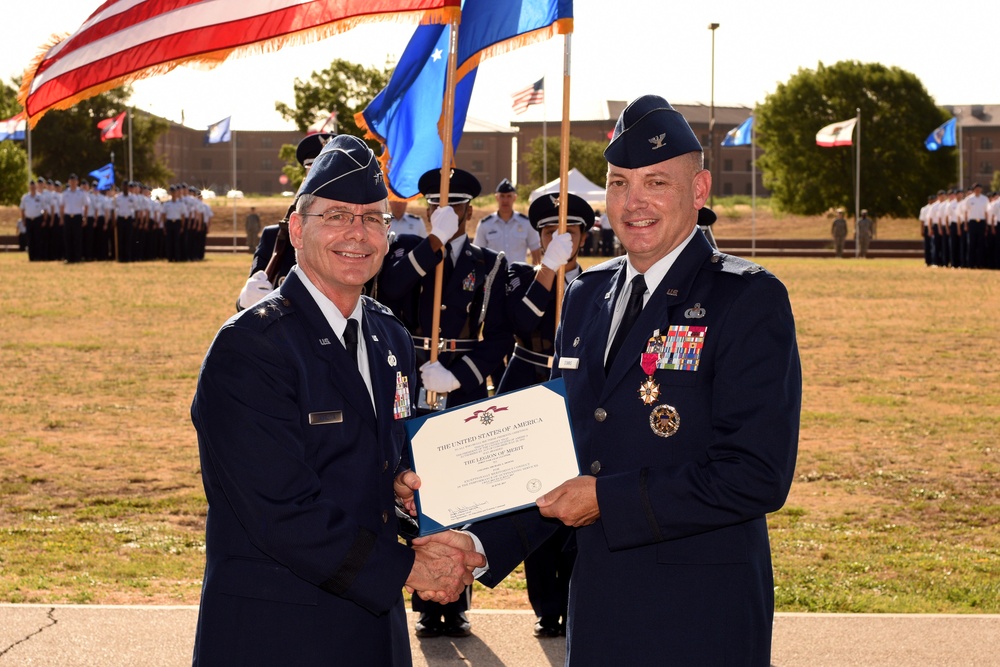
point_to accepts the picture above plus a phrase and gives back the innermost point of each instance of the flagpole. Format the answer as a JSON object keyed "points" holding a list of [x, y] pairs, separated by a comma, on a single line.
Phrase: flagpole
{"points": [[448, 111], [27, 134], [545, 140], [564, 169], [857, 189], [961, 158], [753, 190], [232, 134], [129, 116]]}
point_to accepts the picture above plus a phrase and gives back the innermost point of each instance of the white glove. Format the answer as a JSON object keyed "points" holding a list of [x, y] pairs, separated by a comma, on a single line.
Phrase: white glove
{"points": [[559, 251], [444, 223], [257, 287], [436, 377]]}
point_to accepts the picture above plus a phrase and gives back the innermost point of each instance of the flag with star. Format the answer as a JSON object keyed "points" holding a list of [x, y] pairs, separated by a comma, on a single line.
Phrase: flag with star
{"points": [[406, 114]]}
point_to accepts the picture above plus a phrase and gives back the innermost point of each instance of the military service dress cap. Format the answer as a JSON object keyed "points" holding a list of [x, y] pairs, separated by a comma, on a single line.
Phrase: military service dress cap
{"points": [[463, 187], [505, 186], [345, 170], [649, 131], [544, 211], [706, 217], [310, 147], [72, 177]]}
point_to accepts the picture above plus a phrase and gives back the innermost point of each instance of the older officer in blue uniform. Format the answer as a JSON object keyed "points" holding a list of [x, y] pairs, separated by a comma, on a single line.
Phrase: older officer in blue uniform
{"points": [[474, 330], [299, 411], [684, 389]]}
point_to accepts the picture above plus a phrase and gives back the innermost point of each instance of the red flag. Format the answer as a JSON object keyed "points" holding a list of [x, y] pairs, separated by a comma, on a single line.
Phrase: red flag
{"points": [[111, 128], [124, 41]]}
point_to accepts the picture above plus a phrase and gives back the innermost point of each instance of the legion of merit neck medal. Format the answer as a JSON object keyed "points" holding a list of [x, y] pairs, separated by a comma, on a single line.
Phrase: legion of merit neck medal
{"points": [[664, 420], [649, 390]]}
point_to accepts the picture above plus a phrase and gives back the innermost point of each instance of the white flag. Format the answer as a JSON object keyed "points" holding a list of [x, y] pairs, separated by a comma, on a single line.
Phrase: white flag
{"points": [[838, 134]]}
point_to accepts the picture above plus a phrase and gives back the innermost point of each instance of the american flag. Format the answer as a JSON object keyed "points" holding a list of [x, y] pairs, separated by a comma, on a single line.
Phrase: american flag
{"points": [[127, 40], [533, 94]]}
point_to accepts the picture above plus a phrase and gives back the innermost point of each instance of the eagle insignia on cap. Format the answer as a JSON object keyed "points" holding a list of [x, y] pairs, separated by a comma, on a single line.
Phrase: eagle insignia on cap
{"points": [[323, 141], [657, 141], [555, 200]]}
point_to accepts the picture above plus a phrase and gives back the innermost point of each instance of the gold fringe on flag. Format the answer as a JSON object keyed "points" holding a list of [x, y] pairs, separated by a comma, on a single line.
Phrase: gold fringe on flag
{"points": [[212, 59]]}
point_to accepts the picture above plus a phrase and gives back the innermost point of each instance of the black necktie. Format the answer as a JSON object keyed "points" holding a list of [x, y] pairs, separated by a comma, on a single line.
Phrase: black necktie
{"points": [[449, 263], [632, 310], [351, 339]]}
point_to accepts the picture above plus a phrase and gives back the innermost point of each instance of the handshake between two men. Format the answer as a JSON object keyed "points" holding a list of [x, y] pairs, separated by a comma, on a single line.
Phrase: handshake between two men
{"points": [[445, 561]]}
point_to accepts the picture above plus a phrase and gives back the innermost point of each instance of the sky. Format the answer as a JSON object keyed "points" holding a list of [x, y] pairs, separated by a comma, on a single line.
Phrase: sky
{"points": [[619, 50]]}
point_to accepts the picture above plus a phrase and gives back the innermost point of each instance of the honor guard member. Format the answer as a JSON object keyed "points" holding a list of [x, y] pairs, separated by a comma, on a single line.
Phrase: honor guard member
{"points": [[258, 284], [531, 309], [839, 232], [683, 387], [175, 212], [125, 222], [976, 206], [87, 231], [299, 411], [204, 220], [73, 211], [403, 222], [954, 229], [474, 330], [925, 230], [992, 240], [51, 235], [33, 213], [508, 231], [865, 230]]}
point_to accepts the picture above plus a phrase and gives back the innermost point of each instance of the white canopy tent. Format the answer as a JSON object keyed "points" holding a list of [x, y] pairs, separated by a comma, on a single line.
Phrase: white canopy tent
{"points": [[579, 185]]}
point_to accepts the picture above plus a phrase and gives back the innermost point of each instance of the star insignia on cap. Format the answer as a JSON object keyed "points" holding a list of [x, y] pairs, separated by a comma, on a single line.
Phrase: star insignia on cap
{"points": [[657, 141]]}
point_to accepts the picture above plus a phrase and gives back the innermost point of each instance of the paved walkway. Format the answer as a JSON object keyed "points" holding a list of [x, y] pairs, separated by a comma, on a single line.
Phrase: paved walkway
{"points": [[111, 636]]}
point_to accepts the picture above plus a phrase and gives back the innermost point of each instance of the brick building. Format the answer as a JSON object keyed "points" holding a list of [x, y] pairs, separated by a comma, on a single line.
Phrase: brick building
{"points": [[733, 175], [258, 166]]}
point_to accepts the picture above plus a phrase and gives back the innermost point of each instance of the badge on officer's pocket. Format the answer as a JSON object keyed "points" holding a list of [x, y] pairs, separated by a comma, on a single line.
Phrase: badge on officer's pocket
{"points": [[328, 417]]}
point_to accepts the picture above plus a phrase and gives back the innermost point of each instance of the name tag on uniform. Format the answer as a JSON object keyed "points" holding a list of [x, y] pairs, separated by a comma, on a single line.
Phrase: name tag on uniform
{"points": [[329, 417], [571, 363]]}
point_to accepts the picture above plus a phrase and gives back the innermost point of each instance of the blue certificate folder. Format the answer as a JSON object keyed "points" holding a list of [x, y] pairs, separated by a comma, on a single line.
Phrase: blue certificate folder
{"points": [[491, 457]]}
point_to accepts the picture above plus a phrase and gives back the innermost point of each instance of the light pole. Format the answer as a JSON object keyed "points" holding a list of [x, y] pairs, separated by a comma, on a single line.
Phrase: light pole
{"points": [[711, 117]]}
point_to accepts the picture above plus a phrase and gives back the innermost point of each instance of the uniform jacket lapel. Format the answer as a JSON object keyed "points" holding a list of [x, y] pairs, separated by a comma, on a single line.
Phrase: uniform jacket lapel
{"points": [[382, 365], [327, 345]]}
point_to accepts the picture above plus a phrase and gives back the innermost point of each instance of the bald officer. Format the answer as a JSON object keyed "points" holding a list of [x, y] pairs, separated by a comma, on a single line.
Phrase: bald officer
{"points": [[299, 411], [508, 231], [684, 389]]}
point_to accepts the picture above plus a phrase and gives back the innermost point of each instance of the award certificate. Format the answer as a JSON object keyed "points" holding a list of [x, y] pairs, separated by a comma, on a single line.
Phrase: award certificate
{"points": [[491, 457]]}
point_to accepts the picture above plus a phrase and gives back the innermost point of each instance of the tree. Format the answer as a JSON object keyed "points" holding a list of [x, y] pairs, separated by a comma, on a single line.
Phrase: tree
{"points": [[68, 141], [586, 156], [897, 114], [13, 157], [13, 172]]}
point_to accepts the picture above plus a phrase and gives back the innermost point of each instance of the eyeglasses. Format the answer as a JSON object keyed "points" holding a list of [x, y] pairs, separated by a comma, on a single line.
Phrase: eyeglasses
{"points": [[373, 222]]}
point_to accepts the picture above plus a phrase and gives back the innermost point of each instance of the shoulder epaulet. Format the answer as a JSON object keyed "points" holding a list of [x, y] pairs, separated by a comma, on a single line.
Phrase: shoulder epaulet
{"points": [[734, 264], [487, 217], [522, 215], [609, 265], [265, 312], [376, 307]]}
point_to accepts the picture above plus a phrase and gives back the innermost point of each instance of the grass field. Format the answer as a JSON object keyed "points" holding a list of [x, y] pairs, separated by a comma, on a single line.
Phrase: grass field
{"points": [[895, 506]]}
